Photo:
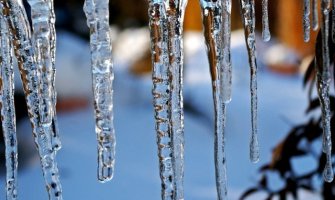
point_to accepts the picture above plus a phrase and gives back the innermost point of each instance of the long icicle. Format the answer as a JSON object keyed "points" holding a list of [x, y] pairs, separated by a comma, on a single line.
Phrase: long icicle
{"points": [[56, 142], [306, 22], [41, 21], [323, 90], [97, 13], [8, 109], [24, 51], [212, 14], [248, 18], [266, 35], [315, 15], [175, 17], [161, 92]]}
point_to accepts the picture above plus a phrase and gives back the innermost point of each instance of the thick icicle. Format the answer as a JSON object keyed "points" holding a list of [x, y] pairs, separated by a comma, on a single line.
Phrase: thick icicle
{"points": [[315, 15], [43, 28], [161, 93], [215, 31], [24, 51], [248, 18], [266, 35], [306, 22], [97, 13], [175, 10], [8, 109], [324, 79]]}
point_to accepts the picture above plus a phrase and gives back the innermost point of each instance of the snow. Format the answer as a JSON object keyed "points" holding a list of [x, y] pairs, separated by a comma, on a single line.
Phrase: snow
{"points": [[281, 105]]}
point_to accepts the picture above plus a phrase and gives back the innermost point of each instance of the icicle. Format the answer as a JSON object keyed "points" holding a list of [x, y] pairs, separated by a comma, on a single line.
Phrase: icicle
{"points": [[266, 35], [306, 21], [97, 14], [56, 143], [216, 22], [323, 90], [20, 30], [248, 18], [161, 93], [315, 17], [175, 10], [43, 27], [226, 69], [8, 109]]}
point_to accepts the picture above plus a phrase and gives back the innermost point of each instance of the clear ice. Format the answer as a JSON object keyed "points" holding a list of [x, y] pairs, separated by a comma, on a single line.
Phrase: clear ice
{"points": [[248, 18], [56, 143], [266, 35], [161, 93], [97, 13], [306, 21], [30, 75], [43, 40], [324, 78], [216, 23], [315, 15], [7, 108], [175, 10]]}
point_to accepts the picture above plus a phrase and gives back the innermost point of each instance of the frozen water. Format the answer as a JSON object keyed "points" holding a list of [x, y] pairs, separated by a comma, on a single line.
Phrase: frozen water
{"points": [[306, 21], [8, 109], [97, 14], [266, 35], [248, 18], [24, 52], [323, 77], [175, 10]]}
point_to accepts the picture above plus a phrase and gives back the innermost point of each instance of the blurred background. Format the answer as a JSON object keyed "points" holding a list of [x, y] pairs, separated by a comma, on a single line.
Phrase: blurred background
{"points": [[282, 103]]}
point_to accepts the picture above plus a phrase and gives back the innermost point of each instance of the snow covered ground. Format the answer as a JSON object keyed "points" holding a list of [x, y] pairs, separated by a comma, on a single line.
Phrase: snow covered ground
{"points": [[281, 104]]}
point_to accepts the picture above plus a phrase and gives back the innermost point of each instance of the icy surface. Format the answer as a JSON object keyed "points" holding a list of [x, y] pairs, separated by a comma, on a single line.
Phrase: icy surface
{"points": [[248, 18], [315, 15], [161, 93], [265, 21], [24, 51], [306, 21], [175, 10], [8, 109], [212, 16], [226, 71], [42, 16], [97, 14], [77, 157], [323, 77]]}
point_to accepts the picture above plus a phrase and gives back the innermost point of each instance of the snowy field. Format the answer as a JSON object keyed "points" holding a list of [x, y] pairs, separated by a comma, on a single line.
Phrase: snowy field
{"points": [[281, 105]]}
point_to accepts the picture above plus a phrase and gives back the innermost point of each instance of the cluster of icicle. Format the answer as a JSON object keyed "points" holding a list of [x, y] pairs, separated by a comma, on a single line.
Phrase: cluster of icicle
{"points": [[166, 21], [35, 56], [323, 71], [34, 52]]}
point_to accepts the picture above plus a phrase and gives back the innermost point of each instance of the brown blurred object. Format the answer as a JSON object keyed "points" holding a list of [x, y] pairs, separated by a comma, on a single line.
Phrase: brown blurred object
{"points": [[193, 20], [129, 13], [143, 65], [71, 104], [284, 68]]}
